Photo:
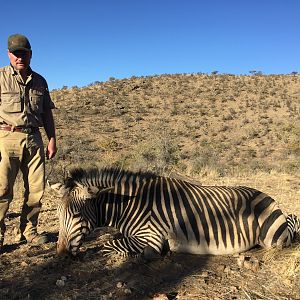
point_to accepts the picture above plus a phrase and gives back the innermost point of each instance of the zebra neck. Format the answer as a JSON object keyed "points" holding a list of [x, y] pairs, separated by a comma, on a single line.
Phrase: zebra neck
{"points": [[113, 207]]}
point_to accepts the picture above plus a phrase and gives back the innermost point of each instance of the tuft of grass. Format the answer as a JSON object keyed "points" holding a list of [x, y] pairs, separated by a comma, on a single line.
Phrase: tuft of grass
{"points": [[283, 263]]}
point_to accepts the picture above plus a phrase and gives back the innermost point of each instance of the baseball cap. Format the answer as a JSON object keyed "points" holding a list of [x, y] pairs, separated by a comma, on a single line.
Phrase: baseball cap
{"points": [[18, 42]]}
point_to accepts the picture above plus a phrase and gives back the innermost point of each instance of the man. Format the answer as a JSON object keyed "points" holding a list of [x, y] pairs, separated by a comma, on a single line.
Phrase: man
{"points": [[25, 105]]}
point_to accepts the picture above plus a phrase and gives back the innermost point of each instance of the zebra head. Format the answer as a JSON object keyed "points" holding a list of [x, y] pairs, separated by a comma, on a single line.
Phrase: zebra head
{"points": [[77, 218]]}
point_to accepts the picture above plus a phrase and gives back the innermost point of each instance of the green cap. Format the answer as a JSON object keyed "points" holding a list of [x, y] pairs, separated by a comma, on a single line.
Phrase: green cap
{"points": [[18, 42]]}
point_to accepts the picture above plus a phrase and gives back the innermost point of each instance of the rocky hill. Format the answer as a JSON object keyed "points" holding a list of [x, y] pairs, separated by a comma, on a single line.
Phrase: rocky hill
{"points": [[187, 123]]}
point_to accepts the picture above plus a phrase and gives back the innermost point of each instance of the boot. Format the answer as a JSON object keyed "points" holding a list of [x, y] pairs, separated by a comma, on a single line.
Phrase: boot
{"points": [[1, 244], [34, 238], [2, 231]]}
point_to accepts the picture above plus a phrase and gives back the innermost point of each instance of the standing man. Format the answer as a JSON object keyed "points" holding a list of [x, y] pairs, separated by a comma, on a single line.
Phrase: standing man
{"points": [[25, 105]]}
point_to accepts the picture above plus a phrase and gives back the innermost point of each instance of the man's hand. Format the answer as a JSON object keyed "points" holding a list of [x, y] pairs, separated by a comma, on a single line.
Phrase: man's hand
{"points": [[51, 149]]}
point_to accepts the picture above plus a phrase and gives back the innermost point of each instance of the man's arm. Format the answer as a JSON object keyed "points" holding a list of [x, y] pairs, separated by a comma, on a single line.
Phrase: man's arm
{"points": [[49, 126]]}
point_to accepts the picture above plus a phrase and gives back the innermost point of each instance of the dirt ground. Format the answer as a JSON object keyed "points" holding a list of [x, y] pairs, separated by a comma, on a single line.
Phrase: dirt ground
{"points": [[37, 273]]}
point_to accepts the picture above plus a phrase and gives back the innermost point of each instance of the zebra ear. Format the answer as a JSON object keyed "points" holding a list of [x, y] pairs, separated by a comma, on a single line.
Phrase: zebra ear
{"points": [[95, 190], [106, 190], [59, 188]]}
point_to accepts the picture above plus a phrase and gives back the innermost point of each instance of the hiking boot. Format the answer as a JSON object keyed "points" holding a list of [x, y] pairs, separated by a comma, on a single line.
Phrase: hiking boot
{"points": [[1, 245], [19, 237], [1, 240], [37, 239]]}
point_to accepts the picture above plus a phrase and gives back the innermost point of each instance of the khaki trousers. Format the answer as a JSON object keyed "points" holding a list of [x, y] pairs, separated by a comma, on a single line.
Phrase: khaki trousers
{"points": [[25, 152]]}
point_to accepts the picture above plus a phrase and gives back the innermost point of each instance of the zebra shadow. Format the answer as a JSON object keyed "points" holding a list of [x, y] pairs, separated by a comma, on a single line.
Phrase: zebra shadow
{"points": [[92, 276], [138, 277]]}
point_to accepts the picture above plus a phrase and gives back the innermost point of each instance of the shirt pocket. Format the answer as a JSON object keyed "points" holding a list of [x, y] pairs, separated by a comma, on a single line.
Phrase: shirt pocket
{"points": [[11, 102], [36, 101]]}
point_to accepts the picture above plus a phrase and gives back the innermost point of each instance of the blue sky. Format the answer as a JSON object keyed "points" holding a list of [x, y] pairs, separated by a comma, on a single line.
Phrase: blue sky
{"points": [[78, 42]]}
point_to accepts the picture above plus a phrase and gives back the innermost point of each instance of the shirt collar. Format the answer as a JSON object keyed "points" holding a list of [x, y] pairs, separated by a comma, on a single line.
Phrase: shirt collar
{"points": [[16, 72]]}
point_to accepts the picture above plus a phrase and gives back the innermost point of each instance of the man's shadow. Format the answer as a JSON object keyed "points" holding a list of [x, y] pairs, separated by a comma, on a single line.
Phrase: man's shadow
{"points": [[8, 248]]}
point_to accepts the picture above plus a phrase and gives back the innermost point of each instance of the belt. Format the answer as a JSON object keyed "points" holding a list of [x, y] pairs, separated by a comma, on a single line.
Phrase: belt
{"points": [[22, 129]]}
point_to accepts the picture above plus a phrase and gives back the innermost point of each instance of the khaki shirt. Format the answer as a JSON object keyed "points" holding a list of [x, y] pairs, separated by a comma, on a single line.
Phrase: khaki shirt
{"points": [[23, 103]]}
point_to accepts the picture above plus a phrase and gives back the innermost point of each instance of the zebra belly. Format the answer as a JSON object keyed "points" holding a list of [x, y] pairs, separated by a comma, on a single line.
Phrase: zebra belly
{"points": [[192, 247], [179, 243]]}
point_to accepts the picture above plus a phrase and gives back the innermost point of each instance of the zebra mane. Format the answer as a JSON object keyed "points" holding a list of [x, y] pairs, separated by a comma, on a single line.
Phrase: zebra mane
{"points": [[90, 176]]}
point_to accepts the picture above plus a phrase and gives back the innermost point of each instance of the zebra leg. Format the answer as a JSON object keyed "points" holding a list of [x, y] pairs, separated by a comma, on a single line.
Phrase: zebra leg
{"points": [[148, 246], [149, 253], [155, 251], [126, 247]]}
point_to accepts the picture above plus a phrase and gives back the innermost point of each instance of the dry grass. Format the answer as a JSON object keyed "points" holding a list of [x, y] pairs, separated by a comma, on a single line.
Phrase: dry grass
{"points": [[283, 264]]}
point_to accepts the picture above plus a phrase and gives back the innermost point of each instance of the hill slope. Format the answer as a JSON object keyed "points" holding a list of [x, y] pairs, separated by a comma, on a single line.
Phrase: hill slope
{"points": [[183, 122]]}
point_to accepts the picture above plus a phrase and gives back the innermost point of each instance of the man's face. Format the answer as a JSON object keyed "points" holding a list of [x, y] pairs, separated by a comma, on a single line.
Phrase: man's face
{"points": [[20, 59]]}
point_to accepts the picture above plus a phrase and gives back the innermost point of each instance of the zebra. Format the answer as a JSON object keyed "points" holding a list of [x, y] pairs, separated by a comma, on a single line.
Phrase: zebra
{"points": [[154, 212]]}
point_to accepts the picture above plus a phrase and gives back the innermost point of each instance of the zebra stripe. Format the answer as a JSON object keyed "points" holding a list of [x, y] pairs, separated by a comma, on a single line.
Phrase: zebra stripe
{"points": [[151, 211], [293, 226]]}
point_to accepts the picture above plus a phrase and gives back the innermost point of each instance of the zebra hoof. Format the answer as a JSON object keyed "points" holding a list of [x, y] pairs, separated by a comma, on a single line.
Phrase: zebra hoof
{"points": [[150, 254]]}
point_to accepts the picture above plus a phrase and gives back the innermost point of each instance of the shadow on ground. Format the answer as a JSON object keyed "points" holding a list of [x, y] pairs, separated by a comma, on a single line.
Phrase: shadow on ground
{"points": [[43, 275]]}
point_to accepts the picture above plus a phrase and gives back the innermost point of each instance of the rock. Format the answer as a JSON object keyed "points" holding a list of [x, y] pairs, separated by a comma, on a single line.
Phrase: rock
{"points": [[255, 266], [220, 268], [247, 264], [252, 265], [160, 297], [227, 269], [60, 282], [233, 289], [121, 284], [24, 264], [241, 260], [128, 291]]}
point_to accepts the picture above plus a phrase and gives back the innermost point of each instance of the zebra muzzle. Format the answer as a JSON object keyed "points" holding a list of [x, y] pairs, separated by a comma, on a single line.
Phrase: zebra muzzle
{"points": [[61, 249]]}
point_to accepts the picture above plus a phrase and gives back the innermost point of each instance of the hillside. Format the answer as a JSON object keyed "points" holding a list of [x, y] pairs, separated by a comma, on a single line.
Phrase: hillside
{"points": [[185, 123]]}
